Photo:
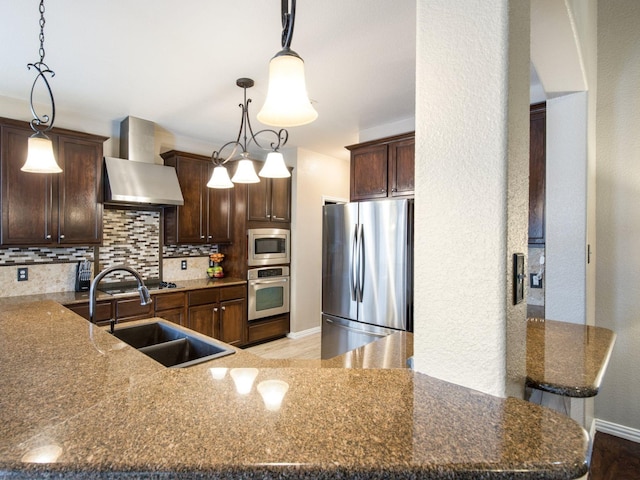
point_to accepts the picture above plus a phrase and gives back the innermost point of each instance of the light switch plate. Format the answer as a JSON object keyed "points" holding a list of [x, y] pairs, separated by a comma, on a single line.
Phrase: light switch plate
{"points": [[518, 278], [534, 281]]}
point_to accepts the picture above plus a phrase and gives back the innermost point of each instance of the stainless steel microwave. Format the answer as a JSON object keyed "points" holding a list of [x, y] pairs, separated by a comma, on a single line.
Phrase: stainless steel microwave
{"points": [[268, 246]]}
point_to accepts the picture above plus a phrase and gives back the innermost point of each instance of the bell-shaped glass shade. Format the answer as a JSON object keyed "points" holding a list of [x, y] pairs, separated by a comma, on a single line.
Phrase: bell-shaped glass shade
{"points": [[245, 173], [274, 166], [287, 103], [40, 158], [220, 178]]}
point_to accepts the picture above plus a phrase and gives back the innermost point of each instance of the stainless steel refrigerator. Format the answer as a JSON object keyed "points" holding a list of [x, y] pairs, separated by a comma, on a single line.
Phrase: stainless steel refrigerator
{"points": [[367, 273]]}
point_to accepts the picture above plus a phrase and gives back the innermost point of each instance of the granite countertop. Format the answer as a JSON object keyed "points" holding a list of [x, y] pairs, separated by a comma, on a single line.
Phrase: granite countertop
{"points": [[103, 415], [565, 358]]}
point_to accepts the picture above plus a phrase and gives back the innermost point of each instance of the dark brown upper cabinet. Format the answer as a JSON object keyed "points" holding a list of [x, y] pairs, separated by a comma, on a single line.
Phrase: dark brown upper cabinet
{"points": [[383, 168], [269, 200], [537, 172], [61, 209], [206, 216]]}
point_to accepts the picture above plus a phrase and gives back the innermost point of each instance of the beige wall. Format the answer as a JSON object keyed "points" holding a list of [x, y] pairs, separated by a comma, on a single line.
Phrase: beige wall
{"points": [[618, 204], [315, 176]]}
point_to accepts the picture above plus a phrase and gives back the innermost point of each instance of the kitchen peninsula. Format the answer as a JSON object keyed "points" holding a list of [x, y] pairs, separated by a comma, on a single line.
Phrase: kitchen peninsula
{"points": [[118, 413]]}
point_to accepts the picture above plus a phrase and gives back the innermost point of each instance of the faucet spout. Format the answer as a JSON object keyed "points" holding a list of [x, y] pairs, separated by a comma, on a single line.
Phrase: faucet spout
{"points": [[145, 297]]}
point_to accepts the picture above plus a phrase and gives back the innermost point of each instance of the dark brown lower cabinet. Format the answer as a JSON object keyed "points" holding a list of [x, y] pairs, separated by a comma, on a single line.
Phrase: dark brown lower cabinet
{"points": [[102, 313], [272, 327], [129, 309], [218, 312], [171, 307]]}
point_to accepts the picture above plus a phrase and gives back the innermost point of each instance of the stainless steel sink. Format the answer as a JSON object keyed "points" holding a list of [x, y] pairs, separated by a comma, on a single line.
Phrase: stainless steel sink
{"points": [[171, 346]]}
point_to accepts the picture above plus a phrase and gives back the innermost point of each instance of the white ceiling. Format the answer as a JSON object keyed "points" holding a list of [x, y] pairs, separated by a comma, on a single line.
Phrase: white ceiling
{"points": [[176, 62]]}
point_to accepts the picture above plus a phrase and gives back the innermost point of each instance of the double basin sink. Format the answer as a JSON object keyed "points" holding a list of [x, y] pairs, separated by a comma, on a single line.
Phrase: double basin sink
{"points": [[171, 346]]}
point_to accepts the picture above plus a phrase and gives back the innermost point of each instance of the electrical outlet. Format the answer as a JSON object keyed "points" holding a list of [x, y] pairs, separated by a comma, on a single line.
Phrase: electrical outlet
{"points": [[23, 274], [534, 281], [183, 265]]}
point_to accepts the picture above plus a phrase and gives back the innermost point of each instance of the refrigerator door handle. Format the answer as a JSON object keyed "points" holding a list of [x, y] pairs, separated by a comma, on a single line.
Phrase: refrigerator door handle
{"points": [[361, 263], [354, 264]]}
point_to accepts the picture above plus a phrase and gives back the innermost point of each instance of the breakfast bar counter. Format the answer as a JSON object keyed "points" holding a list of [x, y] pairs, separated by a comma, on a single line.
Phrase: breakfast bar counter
{"points": [[90, 406], [565, 358]]}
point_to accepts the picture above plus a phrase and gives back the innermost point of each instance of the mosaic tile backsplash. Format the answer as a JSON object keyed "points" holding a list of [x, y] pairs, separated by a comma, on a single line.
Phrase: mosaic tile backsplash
{"points": [[131, 237]]}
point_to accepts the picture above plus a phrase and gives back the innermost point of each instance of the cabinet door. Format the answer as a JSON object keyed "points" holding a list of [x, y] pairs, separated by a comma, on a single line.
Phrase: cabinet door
{"points": [[369, 172], [219, 218], [170, 306], [130, 309], [80, 205], [401, 168], [101, 315], [537, 174], [258, 201], [232, 321], [191, 216], [281, 200], [174, 315], [27, 198], [202, 319]]}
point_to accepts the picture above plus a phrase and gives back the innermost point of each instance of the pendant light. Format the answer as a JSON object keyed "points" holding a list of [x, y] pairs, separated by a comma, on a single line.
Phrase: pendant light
{"points": [[287, 103], [40, 157], [245, 172]]}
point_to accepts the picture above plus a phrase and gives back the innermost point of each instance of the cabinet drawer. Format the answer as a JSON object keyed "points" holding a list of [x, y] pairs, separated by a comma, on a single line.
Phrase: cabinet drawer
{"points": [[131, 308], [204, 296], [264, 330], [101, 314], [166, 301], [230, 293]]}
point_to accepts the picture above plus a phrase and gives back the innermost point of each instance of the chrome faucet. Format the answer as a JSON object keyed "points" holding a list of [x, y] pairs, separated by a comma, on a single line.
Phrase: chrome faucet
{"points": [[145, 298]]}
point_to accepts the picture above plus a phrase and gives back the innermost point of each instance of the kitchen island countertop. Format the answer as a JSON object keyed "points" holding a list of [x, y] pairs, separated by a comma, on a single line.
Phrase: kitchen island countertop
{"points": [[101, 415]]}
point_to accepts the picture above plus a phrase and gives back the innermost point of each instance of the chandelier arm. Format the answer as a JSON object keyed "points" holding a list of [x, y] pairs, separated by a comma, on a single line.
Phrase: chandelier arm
{"points": [[37, 120], [281, 138], [216, 158], [288, 21]]}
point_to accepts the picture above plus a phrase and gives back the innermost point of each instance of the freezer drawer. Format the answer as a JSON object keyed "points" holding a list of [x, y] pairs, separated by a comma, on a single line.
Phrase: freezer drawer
{"points": [[341, 336]]}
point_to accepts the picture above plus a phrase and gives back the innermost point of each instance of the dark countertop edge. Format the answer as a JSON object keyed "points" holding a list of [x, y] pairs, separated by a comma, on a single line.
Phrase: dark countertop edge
{"points": [[301, 471], [564, 390]]}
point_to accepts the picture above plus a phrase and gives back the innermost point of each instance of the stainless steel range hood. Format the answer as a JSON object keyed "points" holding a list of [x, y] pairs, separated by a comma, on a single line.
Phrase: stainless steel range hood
{"points": [[138, 180]]}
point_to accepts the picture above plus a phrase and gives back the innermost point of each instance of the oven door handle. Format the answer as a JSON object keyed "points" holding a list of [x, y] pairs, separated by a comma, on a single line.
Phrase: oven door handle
{"points": [[269, 281]]}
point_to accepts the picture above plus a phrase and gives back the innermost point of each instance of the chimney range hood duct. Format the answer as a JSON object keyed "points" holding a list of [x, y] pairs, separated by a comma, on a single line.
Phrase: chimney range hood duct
{"points": [[139, 180]]}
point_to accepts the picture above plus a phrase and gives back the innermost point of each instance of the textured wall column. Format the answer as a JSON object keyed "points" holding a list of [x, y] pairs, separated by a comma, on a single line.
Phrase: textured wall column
{"points": [[472, 154]]}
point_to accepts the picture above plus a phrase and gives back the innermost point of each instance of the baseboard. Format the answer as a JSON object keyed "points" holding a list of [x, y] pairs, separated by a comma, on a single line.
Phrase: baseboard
{"points": [[621, 431], [304, 333]]}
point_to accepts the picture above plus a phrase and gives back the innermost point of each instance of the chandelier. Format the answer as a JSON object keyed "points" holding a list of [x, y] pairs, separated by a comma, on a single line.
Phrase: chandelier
{"points": [[274, 166], [40, 157]]}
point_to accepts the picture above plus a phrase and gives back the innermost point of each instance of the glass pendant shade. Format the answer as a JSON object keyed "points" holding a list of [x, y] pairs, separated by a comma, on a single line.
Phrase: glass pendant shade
{"points": [[40, 158], [245, 173], [287, 103], [220, 178], [274, 166]]}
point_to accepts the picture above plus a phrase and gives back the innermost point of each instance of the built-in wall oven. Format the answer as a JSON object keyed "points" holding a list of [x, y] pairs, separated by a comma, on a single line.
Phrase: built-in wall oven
{"points": [[268, 246], [269, 292]]}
